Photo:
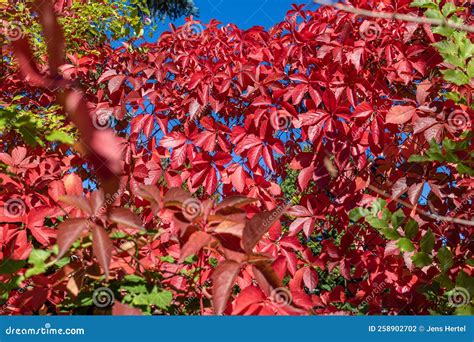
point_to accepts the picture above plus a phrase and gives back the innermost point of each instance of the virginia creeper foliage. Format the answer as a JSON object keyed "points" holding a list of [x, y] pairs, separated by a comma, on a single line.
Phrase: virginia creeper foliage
{"points": [[323, 166]]}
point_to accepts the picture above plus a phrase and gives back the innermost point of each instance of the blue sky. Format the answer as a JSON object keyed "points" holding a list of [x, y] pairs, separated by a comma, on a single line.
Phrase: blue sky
{"points": [[243, 13]]}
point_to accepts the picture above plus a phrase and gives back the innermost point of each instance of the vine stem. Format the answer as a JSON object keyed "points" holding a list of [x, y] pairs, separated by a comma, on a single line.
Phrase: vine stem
{"points": [[420, 211], [397, 16]]}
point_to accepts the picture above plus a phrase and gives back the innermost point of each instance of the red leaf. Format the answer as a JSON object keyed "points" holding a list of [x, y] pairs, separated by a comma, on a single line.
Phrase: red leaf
{"points": [[258, 225], [196, 241], [400, 114], [102, 247], [79, 202], [115, 83], [305, 176], [68, 232], [310, 278], [247, 297], [125, 217], [73, 184], [223, 280], [120, 309]]}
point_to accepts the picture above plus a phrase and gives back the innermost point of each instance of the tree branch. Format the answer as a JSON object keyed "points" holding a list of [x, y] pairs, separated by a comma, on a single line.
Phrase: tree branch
{"points": [[397, 16], [418, 210]]}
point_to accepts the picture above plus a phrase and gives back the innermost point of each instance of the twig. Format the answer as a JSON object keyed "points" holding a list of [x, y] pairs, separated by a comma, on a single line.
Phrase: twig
{"points": [[418, 210], [397, 16]]}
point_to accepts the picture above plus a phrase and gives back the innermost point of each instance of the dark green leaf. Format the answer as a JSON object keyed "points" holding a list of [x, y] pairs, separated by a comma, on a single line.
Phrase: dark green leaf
{"points": [[427, 242], [445, 258], [422, 259], [411, 229], [10, 266], [391, 234], [397, 218]]}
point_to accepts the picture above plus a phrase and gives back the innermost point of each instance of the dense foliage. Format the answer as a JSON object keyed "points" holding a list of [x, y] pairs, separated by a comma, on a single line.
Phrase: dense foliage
{"points": [[321, 167]]}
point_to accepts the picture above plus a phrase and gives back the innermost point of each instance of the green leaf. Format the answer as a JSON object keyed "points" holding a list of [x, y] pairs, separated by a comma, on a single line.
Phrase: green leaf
{"points": [[427, 242], [465, 281], [168, 258], [421, 259], [405, 245], [455, 76], [378, 205], [444, 281], [37, 259], [411, 229], [162, 299], [190, 259], [446, 47], [423, 4], [416, 158], [159, 298], [448, 9], [391, 234], [61, 137], [443, 30], [376, 222], [10, 266], [445, 258], [357, 213], [454, 60], [397, 218], [131, 278], [470, 68], [464, 169], [464, 310], [386, 215], [453, 96], [62, 262]]}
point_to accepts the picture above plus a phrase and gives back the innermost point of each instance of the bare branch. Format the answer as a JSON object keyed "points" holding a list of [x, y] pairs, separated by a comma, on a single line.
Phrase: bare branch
{"points": [[419, 211], [397, 16]]}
